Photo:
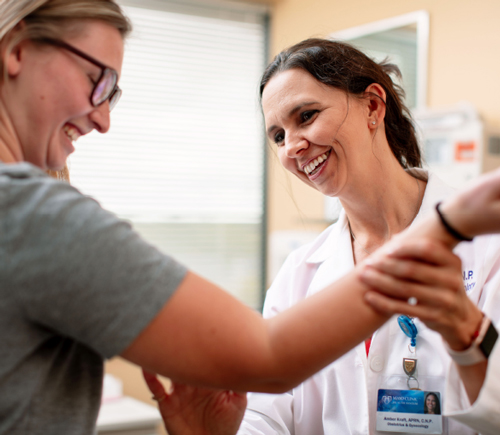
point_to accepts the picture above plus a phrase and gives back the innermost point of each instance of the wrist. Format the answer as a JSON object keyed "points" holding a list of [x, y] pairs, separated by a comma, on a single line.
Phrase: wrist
{"points": [[458, 221], [466, 332], [433, 228], [480, 348]]}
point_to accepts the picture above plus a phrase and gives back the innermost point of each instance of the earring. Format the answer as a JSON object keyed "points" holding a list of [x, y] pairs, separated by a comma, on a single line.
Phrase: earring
{"points": [[373, 122]]}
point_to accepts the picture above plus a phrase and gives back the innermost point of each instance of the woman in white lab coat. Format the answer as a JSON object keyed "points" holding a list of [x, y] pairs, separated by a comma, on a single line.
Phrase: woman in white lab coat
{"points": [[339, 124]]}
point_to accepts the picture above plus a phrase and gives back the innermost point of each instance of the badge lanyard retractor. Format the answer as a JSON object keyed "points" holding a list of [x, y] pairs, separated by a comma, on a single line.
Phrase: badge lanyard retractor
{"points": [[410, 364]]}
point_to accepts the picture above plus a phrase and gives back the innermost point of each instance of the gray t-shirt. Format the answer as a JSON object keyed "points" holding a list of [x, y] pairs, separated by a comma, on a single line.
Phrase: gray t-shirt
{"points": [[77, 285]]}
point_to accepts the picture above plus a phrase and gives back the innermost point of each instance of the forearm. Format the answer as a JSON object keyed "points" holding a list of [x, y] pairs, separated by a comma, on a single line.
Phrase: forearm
{"points": [[322, 328], [203, 336]]}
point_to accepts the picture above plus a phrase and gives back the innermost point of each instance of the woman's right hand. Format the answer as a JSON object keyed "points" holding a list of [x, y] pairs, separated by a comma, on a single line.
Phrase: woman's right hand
{"points": [[428, 271], [195, 410]]}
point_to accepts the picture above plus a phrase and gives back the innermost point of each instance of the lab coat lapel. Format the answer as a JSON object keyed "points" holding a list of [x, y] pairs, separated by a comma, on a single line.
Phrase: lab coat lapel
{"points": [[334, 258]]}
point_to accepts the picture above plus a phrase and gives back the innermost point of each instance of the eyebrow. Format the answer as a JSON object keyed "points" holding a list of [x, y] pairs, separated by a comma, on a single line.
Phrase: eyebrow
{"points": [[291, 113]]}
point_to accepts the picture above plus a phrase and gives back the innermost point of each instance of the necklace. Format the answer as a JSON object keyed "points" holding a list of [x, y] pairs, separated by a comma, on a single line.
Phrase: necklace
{"points": [[414, 216]]}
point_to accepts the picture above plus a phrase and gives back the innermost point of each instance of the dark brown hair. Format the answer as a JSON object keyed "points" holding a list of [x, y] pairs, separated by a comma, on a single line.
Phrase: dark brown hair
{"points": [[344, 67]]}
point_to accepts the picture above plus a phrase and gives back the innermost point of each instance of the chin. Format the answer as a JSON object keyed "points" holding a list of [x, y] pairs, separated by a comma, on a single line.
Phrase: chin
{"points": [[52, 167], [55, 166], [57, 162]]}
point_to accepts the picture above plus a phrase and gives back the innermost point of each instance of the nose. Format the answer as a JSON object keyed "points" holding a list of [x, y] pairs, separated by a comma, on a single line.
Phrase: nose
{"points": [[294, 145], [100, 117]]}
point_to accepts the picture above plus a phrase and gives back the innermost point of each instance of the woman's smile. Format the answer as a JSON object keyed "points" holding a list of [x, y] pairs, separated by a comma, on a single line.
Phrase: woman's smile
{"points": [[313, 168], [72, 132]]}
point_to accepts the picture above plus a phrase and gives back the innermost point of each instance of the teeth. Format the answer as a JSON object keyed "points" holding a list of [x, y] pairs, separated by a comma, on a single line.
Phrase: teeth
{"points": [[317, 161], [71, 132]]}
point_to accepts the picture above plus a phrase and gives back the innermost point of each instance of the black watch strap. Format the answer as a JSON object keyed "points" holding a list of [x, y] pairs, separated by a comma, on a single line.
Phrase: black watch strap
{"points": [[489, 340]]}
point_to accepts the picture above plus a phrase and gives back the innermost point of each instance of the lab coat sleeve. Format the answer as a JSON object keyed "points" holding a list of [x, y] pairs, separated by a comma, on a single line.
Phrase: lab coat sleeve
{"points": [[484, 414]]}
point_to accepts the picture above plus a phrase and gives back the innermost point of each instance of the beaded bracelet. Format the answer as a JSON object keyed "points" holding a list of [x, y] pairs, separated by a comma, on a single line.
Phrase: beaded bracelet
{"points": [[452, 231]]}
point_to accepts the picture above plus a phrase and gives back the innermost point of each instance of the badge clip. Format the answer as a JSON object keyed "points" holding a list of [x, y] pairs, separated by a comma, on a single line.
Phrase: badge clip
{"points": [[409, 366]]}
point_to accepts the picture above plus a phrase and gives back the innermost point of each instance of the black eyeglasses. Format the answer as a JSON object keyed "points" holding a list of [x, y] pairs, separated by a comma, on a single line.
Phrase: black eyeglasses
{"points": [[105, 88]]}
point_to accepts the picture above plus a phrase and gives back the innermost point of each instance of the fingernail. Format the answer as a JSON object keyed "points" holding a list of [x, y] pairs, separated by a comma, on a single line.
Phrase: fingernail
{"points": [[170, 389]]}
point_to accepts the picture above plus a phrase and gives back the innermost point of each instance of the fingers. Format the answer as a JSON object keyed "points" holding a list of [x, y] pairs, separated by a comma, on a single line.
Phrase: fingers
{"points": [[413, 271], [155, 386], [388, 307], [423, 261], [423, 250], [238, 399], [402, 290]]}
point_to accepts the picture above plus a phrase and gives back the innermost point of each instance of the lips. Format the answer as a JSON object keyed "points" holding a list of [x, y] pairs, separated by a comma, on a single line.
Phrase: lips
{"points": [[314, 166]]}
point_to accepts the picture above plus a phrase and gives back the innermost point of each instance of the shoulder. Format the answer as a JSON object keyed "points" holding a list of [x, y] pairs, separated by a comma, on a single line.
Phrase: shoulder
{"points": [[29, 197], [23, 181]]}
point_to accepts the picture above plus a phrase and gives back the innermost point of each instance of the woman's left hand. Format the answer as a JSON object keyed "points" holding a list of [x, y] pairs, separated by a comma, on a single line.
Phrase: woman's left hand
{"points": [[428, 272], [197, 410]]}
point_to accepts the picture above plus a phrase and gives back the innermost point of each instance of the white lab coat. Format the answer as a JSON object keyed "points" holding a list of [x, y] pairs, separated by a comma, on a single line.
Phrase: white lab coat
{"points": [[341, 399]]}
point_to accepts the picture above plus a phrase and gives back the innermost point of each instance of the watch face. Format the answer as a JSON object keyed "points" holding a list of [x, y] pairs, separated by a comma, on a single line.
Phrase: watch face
{"points": [[489, 340]]}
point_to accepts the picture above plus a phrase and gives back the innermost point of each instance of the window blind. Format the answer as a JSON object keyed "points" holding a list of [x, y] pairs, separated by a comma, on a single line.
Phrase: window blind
{"points": [[185, 153]]}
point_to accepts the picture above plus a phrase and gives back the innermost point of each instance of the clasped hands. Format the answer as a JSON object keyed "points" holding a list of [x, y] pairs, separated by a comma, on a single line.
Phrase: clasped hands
{"points": [[419, 266], [422, 278]]}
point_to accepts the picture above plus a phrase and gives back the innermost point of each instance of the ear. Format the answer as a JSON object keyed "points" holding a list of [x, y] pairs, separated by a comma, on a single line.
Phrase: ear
{"points": [[12, 61], [375, 97]]}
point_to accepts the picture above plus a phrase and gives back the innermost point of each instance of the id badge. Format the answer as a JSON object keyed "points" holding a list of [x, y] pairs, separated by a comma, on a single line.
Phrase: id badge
{"points": [[409, 410]]}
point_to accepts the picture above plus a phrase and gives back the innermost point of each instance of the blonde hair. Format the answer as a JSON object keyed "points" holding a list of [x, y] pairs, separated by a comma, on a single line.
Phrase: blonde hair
{"points": [[62, 175], [52, 19]]}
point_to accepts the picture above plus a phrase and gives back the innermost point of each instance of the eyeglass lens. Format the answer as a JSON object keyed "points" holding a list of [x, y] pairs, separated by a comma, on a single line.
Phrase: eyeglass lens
{"points": [[104, 89], [113, 99]]}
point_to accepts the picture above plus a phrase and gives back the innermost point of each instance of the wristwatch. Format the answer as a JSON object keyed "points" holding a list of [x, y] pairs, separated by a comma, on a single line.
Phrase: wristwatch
{"points": [[480, 348]]}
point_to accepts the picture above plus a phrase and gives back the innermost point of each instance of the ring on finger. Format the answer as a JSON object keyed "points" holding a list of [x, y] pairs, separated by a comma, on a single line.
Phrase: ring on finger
{"points": [[412, 301], [159, 399]]}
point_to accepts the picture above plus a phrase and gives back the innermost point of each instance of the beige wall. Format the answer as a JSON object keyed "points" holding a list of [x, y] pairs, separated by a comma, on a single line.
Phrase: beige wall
{"points": [[464, 64]]}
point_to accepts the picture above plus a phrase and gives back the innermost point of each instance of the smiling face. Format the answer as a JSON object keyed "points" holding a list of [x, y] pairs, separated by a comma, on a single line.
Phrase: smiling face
{"points": [[431, 403], [48, 93], [321, 133]]}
